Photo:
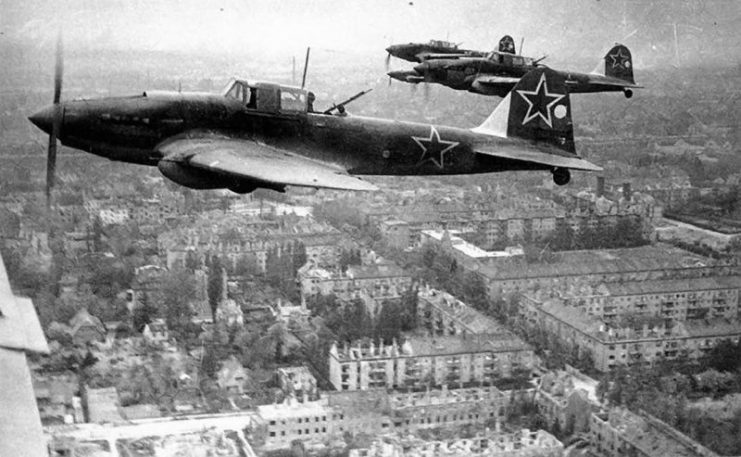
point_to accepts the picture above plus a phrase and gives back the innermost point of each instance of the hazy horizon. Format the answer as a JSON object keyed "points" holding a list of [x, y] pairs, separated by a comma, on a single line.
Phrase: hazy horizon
{"points": [[574, 30]]}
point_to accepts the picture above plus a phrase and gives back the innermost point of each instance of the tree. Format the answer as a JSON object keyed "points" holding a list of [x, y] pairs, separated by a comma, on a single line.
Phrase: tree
{"points": [[409, 309], [388, 326], [143, 314], [191, 260], [725, 356], [178, 289], [215, 285]]}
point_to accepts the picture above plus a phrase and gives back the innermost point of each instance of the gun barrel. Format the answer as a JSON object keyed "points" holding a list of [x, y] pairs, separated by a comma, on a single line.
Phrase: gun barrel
{"points": [[353, 98]]}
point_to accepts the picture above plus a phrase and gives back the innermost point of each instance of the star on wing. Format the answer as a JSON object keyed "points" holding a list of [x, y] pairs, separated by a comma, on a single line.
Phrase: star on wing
{"points": [[537, 102], [432, 146], [619, 59]]}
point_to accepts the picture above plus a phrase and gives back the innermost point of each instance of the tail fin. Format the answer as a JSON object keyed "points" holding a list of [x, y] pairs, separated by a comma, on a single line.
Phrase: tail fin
{"points": [[507, 44], [619, 63], [538, 109]]}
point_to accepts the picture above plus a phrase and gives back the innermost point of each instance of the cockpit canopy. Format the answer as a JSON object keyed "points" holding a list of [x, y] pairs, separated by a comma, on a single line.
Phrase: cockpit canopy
{"points": [[443, 44], [510, 59], [268, 97]]}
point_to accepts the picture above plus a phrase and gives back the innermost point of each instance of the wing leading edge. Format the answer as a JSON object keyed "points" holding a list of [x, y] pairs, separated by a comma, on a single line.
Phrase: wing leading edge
{"points": [[249, 160]]}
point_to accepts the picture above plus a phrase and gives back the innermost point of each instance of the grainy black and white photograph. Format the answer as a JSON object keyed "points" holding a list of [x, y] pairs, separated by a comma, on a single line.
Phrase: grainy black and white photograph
{"points": [[379, 228]]}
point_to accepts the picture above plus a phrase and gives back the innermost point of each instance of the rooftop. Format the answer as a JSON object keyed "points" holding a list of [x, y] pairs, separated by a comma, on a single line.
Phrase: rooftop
{"points": [[652, 437], [607, 261], [674, 285]]}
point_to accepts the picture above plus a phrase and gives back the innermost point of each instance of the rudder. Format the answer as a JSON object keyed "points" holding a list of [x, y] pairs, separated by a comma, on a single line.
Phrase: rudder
{"points": [[507, 45], [619, 63]]}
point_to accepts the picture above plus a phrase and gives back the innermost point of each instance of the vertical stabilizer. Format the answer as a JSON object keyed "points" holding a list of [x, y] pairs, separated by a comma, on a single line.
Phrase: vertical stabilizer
{"points": [[619, 63], [538, 109], [507, 44]]}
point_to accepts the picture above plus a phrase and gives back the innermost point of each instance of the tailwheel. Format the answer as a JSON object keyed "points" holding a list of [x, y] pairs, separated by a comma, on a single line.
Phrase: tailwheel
{"points": [[561, 176], [628, 93]]}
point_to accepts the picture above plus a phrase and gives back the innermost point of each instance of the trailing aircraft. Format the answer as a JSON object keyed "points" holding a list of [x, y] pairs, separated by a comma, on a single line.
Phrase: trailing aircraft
{"points": [[439, 49], [498, 72]]}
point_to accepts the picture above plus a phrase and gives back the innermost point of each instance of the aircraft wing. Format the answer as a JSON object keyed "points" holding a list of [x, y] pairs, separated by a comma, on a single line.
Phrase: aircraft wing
{"points": [[497, 80], [544, 158], [251, 160]]}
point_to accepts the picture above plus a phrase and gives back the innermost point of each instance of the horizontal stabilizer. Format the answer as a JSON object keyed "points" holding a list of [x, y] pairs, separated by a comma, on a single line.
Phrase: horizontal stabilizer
{"points": [[545, 158]]}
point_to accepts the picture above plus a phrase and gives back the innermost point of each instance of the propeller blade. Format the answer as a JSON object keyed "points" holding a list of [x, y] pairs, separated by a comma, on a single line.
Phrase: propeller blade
{"points": [[58, 69], [51, 157], [388, 61], [426, 91], [306, 67]]}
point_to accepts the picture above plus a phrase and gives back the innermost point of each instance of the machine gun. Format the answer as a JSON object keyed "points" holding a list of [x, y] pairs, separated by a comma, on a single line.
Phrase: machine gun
{"points": [[341, 106]]}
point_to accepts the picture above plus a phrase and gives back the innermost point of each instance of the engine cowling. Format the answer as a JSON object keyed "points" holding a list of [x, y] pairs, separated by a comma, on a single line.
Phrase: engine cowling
{"points": [[195, 178]]}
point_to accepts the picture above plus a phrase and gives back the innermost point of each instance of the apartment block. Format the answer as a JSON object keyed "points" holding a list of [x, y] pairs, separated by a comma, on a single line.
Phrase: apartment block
{"points": [[429, 361], [635, 341]]}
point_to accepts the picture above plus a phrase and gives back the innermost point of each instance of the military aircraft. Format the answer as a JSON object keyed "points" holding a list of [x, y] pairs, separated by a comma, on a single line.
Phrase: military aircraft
{"points": [[438, 49], [498, 72], [265, 135]]}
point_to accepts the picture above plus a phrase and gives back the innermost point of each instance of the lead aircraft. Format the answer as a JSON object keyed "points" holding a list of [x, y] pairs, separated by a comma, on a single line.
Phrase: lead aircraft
{"points": [[266, 135]]}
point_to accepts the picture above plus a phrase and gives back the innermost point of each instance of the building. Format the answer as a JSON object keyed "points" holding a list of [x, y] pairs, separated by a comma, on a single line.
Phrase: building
{"points": [[377, 412], [103, 405], [156, 331], [380, 281], [467, 254], [247, 240], [676, 299], [444, 314], [86, 328], [522, 443], [575, 268], [57, 399], [232, 376], [296, 379], [282, 423], [397, 233], [619, 432], [630, 341], [567, 398], [434, 361], [472, 406]]}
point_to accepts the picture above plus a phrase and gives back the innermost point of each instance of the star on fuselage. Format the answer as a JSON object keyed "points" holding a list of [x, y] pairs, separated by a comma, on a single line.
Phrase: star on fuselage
{"points": [[534, 100], [432, 145]]}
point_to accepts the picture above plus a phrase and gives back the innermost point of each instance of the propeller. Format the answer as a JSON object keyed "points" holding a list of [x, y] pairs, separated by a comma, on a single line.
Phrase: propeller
{"points": [[306, 67], [388, 61], [51, 158]]}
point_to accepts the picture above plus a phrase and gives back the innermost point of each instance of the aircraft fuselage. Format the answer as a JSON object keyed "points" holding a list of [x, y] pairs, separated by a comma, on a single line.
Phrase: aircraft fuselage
{"points": [[129, 129]]}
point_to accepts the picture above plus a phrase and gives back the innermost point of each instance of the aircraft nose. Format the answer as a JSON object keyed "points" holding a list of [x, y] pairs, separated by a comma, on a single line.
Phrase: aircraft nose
{"points": [[400, 75], [43, 119]]}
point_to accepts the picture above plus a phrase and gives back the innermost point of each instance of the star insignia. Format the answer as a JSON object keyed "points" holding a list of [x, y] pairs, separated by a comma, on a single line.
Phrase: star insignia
{"points": [[619, 59], [433, 146], [537, 101]]}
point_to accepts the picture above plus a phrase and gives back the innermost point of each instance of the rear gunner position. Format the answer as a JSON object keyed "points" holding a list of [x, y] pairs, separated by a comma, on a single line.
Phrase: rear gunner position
{"points": [[263, 135]]}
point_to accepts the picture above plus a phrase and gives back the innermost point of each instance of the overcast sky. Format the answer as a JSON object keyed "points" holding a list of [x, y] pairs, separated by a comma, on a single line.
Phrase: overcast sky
{"points": [[562, 28]]}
